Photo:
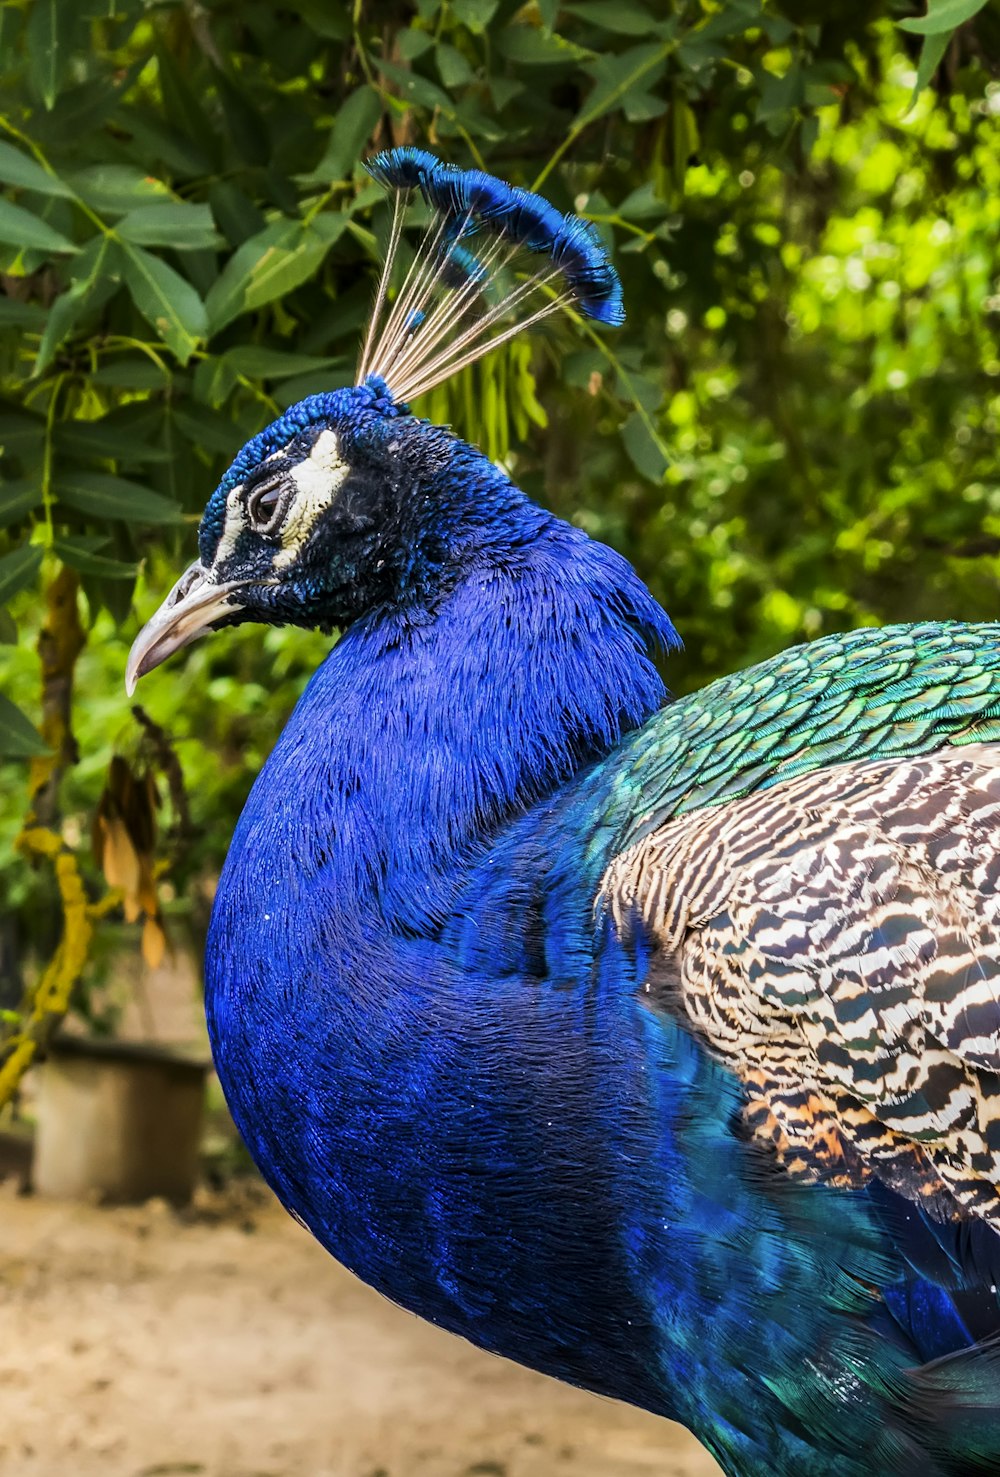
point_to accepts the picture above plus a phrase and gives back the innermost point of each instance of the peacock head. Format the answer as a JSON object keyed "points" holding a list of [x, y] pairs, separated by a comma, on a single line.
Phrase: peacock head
{"points": [[348, 502]]}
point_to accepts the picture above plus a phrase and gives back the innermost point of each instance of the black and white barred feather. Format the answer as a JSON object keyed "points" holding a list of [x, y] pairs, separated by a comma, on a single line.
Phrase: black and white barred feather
{"points": [[836, 939]]}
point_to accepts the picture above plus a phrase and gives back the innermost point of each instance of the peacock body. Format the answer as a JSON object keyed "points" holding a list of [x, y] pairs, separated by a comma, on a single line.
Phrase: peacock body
{"points": [[655, 1045]]}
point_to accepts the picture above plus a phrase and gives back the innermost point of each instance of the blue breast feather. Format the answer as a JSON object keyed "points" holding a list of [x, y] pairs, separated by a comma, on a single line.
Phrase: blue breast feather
{"points": [[441, 1059]]}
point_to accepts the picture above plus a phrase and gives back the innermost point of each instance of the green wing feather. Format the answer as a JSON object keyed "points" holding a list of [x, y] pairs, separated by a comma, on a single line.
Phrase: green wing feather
{"points": [[812, 847]]}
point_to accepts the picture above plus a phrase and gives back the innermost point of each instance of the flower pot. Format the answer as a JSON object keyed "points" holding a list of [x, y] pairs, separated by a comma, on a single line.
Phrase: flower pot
{"points": [[118, 1121]]}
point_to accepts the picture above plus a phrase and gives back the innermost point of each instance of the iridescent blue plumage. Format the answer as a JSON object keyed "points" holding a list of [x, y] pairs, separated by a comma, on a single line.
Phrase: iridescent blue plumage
{"points": [[647, 1043], [476, 202]]}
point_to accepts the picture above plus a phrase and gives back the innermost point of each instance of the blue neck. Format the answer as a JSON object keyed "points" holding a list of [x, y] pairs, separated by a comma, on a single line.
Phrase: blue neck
{"points": [[422, 732], [377, 1079]]}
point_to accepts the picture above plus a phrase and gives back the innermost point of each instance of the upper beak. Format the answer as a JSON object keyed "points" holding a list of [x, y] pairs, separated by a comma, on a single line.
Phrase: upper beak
{"points": [[191, 608]]}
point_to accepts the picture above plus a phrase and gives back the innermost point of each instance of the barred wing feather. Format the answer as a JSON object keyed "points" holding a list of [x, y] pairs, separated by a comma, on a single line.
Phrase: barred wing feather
{"points": [[836, 940]]}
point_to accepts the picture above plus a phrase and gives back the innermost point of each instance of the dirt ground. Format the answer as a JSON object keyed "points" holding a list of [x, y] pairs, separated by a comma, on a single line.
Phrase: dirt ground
{"points": [[225, 1343]]}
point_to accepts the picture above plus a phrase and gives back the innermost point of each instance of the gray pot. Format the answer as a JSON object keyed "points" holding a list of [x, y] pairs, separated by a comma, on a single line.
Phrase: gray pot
{"points": [[118, 1122]]}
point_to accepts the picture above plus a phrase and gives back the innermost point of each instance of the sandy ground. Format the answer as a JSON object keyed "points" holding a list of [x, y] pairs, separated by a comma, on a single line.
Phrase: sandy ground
{"points": [[225, 1343]]}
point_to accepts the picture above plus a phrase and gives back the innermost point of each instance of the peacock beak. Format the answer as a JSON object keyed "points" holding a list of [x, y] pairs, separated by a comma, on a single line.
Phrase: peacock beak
{"points": [[193, 606]]}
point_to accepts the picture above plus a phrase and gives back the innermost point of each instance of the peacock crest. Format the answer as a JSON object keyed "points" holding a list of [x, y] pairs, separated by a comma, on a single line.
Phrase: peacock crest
{"points": [[492, 261]]}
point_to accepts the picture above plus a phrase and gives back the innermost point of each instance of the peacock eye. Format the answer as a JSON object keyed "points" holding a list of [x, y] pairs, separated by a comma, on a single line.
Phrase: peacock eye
{"points": [[265, 506]]}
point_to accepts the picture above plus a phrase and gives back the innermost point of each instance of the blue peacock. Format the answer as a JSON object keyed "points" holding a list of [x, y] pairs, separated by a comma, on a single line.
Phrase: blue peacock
{"points": [[653, 1044]]}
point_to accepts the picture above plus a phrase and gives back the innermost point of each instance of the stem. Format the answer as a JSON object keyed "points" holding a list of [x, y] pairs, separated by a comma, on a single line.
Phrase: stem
{"points": [[590, 116], [60, 642], [50, 998], [47, 498]]}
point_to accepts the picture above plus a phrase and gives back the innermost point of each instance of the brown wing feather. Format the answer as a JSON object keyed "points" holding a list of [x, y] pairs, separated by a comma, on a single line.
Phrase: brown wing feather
{"points": [[836, 939]]}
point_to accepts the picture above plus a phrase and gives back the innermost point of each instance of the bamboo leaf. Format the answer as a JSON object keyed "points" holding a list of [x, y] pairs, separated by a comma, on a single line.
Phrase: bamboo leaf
{"points": [[527, 46], [609, 15], [20, 228], [174, 223], [19, 738], [166, 300], [615, 76], [270, 265], [51, 32], [262, 363], [931, 55], [350, 132], [110, 436], [18, 498], [18, 570], [67, 308], [80, 554], [104, 496], [942, 15], [416, 89], [17, 168], [113, 189], [21, 315], [645, 452]]}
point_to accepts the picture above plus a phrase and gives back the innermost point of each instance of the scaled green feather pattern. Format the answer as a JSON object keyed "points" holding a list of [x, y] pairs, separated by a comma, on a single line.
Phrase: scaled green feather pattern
{"points": [[869, 694], [826, 912]]}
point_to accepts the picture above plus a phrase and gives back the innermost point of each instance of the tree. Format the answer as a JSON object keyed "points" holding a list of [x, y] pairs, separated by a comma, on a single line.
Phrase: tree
{"points": [[794, 434]]}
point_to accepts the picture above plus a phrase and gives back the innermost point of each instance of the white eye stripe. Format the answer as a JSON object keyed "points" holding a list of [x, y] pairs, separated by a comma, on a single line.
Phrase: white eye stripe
{"points": [[317, 478], [232, 524]]}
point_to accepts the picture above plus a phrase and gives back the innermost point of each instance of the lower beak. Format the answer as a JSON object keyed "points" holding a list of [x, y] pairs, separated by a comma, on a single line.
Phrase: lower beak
{"points": [[192, 607]]}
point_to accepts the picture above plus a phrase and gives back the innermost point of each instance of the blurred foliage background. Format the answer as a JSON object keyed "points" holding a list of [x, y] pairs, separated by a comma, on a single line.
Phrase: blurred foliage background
{"points": [[794, 433]]}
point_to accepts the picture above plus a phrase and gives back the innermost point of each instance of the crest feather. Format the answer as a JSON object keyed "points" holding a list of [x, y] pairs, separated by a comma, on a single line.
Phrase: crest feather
{"points": [[494, 259]]}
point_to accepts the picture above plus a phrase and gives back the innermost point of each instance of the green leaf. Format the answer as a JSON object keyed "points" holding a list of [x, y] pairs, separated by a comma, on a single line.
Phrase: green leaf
{"points": [[18, 498], [289, 392], [528, 46], [414, 43], [208, 430], [942, 15], [60, 324], [238, 217], [609, 15], [18, 227], [332, 22], [21, 434], [107, 437], [416, 89], [79, 553], [350, 132], [21, 315], [243, 126], [453, 69], [474, 14], [931, 55], [174, 223], [166, 300], [214, 381], [112, 189], [103, 496], [17, 168], [616, 76], [645, 451], [67, 308], [18, 570], [261, 363], [131, 372], [271, 264], [51, 32], [780, 94], [19, 738]]}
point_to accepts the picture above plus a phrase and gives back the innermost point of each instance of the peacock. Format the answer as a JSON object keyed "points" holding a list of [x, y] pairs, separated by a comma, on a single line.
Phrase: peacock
{"points": [[654, 1044]]}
